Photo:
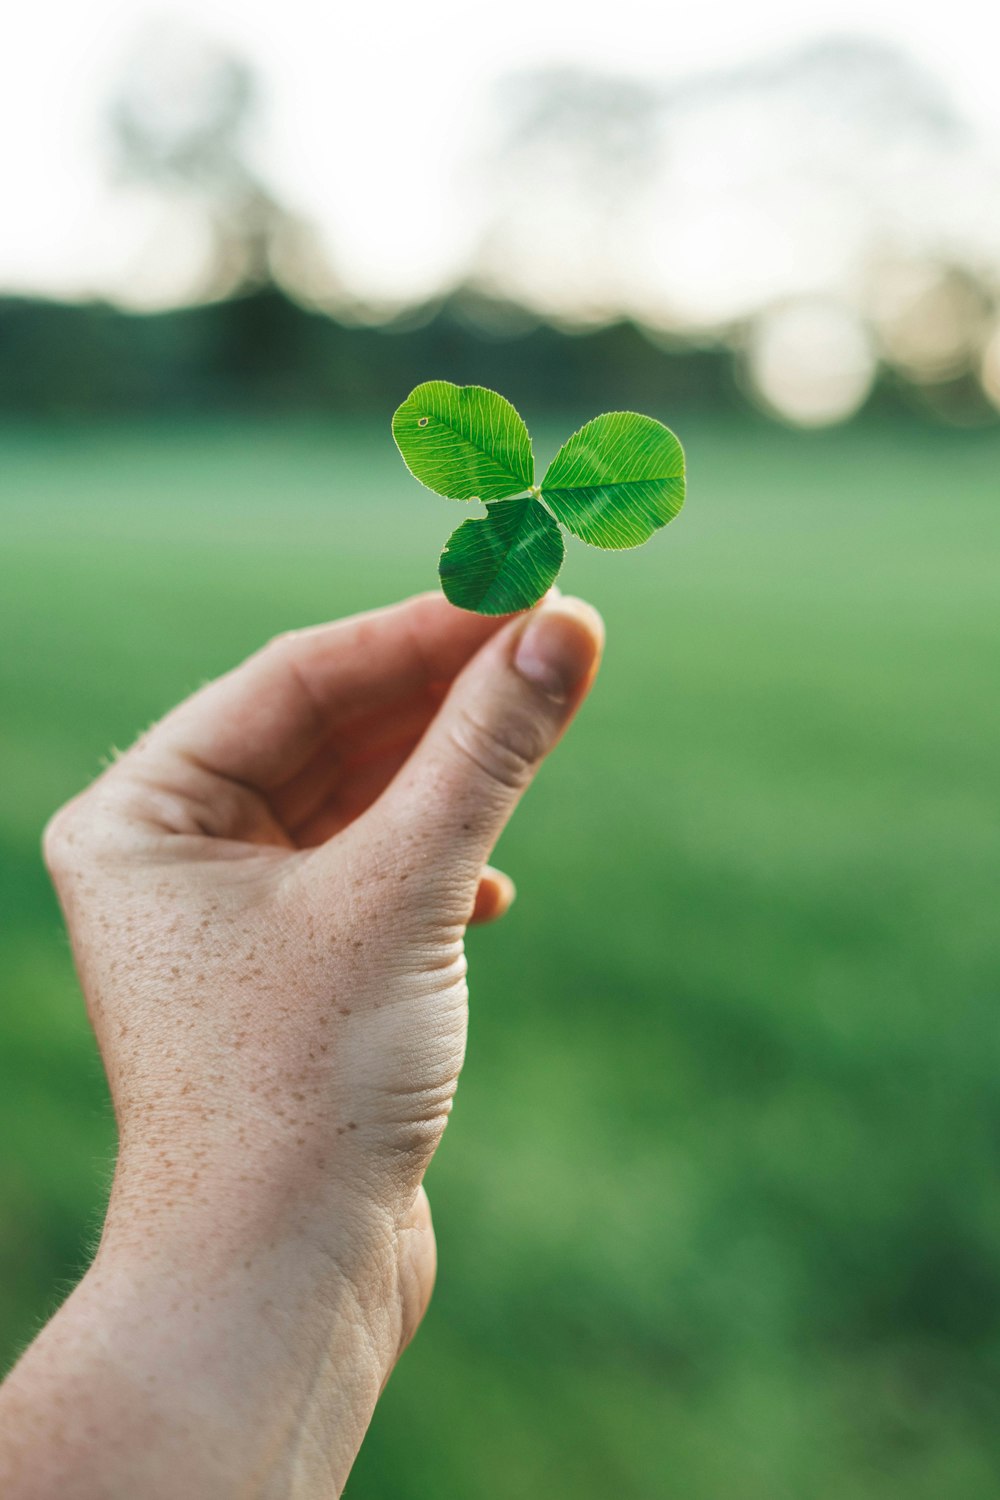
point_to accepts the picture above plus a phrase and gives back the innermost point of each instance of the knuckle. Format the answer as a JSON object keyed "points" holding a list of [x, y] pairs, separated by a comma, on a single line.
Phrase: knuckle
{"points": [[507, 751], [279, 645], [61, 839], [284, 640], [286, 655]]}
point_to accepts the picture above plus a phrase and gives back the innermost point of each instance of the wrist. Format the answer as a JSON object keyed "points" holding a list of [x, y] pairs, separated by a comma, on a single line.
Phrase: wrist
{"points": [[251, 1348], [270, 1366], [314, 1254], [226, 1381]]}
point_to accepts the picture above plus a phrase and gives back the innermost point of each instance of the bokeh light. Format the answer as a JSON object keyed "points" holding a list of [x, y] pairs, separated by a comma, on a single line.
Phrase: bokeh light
{"points": [[812, 363], [991, 367], [930, 319]]}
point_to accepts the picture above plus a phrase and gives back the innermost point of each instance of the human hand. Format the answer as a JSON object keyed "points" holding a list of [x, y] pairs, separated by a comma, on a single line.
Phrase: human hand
{"points": [[267, 897]]}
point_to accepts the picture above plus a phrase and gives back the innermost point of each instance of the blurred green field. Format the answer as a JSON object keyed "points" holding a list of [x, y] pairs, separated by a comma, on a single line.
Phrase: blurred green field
{"points": [[719, 1210]]}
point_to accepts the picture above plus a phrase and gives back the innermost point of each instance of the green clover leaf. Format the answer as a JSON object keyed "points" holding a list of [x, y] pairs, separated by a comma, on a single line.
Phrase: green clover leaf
{"points": [[505, 562], [464, 442], [613, 483], [617, 480]]}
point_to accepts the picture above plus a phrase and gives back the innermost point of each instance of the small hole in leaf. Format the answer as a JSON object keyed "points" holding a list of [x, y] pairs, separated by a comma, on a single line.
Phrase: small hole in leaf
{"points": [[422, 421]]}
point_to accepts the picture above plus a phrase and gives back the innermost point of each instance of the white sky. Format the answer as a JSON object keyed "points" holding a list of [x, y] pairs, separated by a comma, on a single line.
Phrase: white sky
{"points": [[372, 106]]}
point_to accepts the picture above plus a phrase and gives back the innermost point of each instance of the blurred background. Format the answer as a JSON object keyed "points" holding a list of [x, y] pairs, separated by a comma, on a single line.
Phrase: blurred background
{"points": [[719, 1210]]}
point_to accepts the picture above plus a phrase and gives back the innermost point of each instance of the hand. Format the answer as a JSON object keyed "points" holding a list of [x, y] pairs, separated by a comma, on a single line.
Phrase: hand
{"points": [[267, 897]]}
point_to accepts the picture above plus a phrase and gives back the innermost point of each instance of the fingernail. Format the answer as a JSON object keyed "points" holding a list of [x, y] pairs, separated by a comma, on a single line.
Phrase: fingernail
{"points": [[559, 645]]}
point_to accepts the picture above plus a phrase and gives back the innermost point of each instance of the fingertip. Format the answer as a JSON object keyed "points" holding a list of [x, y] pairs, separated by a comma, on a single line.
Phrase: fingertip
{"points": [[494, 897], [559, 647], [586, 616]]}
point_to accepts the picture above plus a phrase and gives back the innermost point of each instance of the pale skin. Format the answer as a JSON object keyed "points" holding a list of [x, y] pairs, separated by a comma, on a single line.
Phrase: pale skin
{"points": [[267, 897]]}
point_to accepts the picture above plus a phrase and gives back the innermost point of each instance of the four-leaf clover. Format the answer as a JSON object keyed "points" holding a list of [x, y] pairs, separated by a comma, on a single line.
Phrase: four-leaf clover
{"points": [[614, 483]]}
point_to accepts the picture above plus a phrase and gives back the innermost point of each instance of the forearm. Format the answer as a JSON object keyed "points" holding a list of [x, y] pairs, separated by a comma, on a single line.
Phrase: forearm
{"points": [[177, 1379]]}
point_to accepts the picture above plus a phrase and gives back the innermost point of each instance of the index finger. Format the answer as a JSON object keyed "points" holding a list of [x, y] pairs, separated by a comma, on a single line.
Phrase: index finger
{"points": [[260, 723]]}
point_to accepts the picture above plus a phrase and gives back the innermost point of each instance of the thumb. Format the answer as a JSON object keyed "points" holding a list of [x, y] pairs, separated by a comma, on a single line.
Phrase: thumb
{"points": [[505, 711]]}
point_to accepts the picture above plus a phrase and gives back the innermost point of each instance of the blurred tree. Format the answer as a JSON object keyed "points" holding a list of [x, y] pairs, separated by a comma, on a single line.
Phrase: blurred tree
{"points": [[181, 121], [702, 207], [833, 190], [572, 151]]}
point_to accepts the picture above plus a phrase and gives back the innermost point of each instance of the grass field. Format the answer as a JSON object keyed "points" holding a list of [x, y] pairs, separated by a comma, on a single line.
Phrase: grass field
{"points": [[719, 1208]]}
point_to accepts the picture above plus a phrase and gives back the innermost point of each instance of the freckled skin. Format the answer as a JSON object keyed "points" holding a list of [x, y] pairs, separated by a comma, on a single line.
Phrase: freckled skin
{"points": [[267, 898]]}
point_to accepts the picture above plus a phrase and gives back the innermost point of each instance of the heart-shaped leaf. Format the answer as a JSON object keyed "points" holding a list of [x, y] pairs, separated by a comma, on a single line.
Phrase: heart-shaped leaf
{"points": [[503, 561], [464, 442], [617, 480]]}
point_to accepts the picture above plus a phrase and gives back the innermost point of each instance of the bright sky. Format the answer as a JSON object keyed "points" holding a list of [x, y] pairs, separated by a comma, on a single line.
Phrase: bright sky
{"points": [[373, 107]]}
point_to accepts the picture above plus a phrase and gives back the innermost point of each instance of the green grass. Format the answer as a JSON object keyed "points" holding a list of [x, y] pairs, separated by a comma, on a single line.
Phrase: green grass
{"points": [[718, 1211]]}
